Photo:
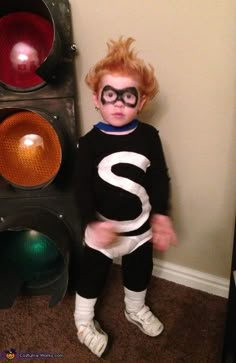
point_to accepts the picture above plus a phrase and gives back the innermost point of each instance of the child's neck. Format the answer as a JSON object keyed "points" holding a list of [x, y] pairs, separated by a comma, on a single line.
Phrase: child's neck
{"points": [[117, 130]]}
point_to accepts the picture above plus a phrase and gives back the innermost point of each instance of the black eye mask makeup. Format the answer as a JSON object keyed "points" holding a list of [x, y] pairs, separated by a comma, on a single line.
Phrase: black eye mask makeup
{"points": [[129, 96]]}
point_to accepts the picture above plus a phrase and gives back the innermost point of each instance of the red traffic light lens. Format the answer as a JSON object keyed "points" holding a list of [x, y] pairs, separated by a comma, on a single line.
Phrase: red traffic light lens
{"points": [[30, 150], [25, 42]]}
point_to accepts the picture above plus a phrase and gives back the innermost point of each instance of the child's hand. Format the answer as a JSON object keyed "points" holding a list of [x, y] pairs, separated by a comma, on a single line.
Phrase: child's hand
{"points": [[102, 234], [163, 234]]}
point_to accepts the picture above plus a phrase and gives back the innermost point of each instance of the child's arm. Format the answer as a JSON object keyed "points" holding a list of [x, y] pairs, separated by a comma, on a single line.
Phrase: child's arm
{"points": [[163, 234], [84, 178], [159, 193], [102, 233]]}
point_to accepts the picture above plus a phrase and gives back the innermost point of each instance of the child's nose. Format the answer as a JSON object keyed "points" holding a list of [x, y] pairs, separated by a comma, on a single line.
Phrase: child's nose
{"points": [[119, 103]]}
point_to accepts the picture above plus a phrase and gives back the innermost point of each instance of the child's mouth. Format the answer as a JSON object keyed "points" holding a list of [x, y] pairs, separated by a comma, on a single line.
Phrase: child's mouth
{"points": [[118, 114]]}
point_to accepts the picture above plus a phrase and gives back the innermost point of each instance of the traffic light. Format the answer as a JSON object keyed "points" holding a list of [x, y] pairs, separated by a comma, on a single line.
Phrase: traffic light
{"points": [[39, 223]]}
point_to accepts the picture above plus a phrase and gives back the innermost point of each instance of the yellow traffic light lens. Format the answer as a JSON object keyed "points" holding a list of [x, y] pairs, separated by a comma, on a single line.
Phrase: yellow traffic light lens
{"points": [[30, 150], [25, 42]]}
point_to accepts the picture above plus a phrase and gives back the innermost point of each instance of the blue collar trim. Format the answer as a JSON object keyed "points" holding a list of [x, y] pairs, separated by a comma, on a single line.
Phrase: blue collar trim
{"points": [[107, 127]]}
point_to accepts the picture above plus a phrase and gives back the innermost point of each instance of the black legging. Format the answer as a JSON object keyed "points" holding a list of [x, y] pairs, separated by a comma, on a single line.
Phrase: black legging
{"points": [[94, 267]]}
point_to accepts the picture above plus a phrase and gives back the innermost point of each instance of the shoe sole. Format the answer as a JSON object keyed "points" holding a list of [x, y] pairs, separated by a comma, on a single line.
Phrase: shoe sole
{"points": [[98, 327], [141, 328]]}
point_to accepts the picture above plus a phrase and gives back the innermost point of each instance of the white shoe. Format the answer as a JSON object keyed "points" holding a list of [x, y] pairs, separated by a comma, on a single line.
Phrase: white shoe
{"points": [[147, 322], [93, 337]]}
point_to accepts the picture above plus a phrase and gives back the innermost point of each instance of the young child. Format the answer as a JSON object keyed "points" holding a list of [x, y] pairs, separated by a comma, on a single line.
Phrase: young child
{"points": [[123, 193]]}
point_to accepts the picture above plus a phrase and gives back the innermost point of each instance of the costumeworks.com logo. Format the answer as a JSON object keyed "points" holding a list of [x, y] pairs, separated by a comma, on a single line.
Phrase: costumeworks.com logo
{"points": [[11, 355]]}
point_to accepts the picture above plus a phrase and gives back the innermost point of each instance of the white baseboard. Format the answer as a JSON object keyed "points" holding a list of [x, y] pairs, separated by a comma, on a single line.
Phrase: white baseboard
{"points": [[192, 278], [195, 279]]}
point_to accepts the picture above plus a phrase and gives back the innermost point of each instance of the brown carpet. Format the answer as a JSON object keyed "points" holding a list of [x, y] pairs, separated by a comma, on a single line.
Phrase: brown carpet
{"points": [[194, 327]]}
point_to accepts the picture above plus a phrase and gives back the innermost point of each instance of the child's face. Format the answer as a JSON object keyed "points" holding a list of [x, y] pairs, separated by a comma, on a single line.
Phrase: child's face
{"points": [[118, 99]]}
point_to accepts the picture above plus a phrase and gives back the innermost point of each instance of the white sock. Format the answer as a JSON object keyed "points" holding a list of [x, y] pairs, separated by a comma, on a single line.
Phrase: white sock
{"points": [[84, 309], [134, 301]]}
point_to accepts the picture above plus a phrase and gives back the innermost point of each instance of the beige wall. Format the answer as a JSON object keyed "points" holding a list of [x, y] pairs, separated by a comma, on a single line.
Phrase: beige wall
{"points": [[192, 45]]}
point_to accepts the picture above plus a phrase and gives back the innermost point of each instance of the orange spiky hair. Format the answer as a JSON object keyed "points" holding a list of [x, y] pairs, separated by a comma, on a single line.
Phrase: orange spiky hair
{"points": [[122, 60]]}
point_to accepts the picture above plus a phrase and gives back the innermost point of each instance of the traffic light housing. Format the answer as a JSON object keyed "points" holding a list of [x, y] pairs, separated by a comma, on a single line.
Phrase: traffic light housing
{"points": [[39, 223]]}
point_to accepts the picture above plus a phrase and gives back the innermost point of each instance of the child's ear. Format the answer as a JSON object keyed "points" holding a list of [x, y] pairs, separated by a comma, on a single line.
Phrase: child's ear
{"points": [[95, 99], [142, 102]]}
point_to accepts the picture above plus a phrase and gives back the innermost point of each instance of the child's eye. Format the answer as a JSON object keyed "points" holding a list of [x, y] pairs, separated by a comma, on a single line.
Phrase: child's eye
{"points": [[129, 97], [109, 95]]}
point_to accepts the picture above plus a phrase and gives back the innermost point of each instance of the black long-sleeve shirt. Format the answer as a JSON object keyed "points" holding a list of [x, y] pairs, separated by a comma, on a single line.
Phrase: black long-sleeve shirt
{"points": [[123, 178]]}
